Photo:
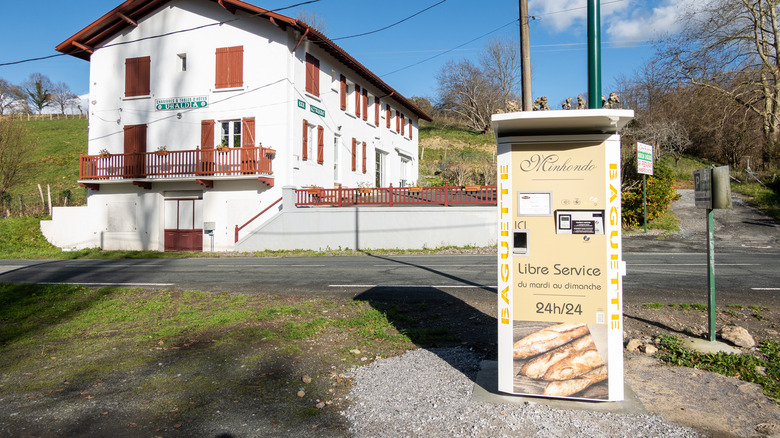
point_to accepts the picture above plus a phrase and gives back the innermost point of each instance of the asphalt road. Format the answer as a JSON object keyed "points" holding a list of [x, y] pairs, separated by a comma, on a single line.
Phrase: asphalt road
{"points": [[740, 278]]}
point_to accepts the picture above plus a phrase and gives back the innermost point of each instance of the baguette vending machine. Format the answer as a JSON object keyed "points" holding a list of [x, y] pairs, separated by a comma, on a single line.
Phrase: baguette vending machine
{"points": [[560, 266]]}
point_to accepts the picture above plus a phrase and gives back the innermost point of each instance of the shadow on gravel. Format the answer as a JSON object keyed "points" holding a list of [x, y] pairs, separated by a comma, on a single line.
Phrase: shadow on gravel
{"points": [[434, 318]]}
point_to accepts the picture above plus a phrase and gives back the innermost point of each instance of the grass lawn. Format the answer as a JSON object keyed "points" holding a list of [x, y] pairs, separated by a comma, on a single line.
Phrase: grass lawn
{"points": [[169, 359]]}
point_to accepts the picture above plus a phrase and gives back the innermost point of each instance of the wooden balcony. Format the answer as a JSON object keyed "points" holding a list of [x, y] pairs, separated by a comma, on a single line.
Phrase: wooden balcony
{"points": [[196, 164]]}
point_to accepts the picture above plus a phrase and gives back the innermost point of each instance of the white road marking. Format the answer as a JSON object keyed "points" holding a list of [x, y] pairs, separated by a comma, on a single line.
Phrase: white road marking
{"points": [[408, 286], [111, 284], [9, 268], [267, 266], [765, 288]]}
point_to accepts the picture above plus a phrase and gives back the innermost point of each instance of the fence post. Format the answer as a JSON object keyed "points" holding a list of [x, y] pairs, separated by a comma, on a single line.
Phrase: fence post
{"points": [[391, 194], [446, 195]]}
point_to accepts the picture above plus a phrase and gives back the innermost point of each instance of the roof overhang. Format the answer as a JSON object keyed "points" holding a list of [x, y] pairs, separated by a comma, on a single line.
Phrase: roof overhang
{"points": [[130, 12], [560, 122]]}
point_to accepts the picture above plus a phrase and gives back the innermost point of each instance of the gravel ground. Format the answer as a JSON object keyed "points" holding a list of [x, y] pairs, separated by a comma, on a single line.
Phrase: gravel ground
{"points": [[428, 393]]}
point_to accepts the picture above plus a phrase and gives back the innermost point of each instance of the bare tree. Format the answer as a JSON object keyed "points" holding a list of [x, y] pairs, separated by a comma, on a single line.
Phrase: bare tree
{"points": [[16, 145], [10, 95], [62, 97], [668, 135], [500, 61], [733, 48], [313, 19], [38, 88], [465, 90]]}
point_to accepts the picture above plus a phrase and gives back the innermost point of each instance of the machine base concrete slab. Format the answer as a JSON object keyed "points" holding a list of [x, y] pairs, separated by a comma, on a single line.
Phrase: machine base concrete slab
{"points": [[486, 390]]}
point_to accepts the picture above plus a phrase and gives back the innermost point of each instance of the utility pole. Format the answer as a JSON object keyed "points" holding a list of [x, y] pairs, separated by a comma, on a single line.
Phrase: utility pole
{"points": [[525, 56], [594, 54]]}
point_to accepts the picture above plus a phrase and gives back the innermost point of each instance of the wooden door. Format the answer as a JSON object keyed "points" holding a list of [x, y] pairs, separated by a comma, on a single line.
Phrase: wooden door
{"points": [[135, 150], [183, 225], [249, 155]]}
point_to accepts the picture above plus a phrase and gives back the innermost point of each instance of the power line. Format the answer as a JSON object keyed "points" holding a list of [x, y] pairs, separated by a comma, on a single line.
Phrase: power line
{"points": [[391, 25], [450, 50], [159, 36]]}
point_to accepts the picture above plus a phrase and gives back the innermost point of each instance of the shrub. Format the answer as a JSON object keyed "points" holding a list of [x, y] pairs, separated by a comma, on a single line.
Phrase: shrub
{"points": [[660, 192]]}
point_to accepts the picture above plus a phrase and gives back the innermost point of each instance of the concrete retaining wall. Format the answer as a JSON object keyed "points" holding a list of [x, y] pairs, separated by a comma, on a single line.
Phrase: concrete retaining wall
{"points": [[372, 227]]}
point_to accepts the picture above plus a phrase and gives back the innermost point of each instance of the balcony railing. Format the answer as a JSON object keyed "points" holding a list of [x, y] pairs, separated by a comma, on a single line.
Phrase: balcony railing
{"points": [[178, 164], [390, 196]]}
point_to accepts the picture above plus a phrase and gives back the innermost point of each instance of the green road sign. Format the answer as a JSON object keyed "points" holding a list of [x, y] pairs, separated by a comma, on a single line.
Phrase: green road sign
{"points": [[179, 103]]}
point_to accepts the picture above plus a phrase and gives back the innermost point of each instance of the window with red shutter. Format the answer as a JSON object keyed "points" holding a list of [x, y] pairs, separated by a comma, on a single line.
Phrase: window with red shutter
{"points": [[320, 145], [343, 80], [305, 141], [137, 76], [312, 75], [397, 121], [354, 154], [230, 67], [357, 100], [403, 124], [387, 115], [364, 157], [365, 104], [410, 129], [376, 111]]}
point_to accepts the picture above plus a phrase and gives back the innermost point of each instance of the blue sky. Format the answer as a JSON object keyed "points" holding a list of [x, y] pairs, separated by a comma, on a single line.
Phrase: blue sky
{"points": [[558, 38]]}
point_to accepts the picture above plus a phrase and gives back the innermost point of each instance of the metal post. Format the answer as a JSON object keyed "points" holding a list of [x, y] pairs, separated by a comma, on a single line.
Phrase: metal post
{"points": [[711, 271], [644, 198], [594, 54]]}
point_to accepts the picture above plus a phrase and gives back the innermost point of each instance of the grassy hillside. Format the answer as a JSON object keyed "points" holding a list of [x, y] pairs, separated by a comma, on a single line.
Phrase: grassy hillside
{"points": [[56, 163], [455, 155]]}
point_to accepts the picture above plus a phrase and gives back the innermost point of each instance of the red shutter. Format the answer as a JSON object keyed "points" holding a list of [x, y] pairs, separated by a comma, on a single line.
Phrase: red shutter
{"points": [[365, 104], [305, 142], [207, 147], [222, 68], [403, 124], [248, 132], [364, 157], [397, 121], [236, 72], [376, 111], [230, 67], [410, 129], [357, 100], [320, 145], [312, 75], [343, 80], [354, 154], [137, 76], [387, 115], [207, 134]]}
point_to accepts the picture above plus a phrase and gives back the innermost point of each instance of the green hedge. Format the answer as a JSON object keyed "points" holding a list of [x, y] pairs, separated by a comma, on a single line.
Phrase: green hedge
{"points": [[660, 193]]}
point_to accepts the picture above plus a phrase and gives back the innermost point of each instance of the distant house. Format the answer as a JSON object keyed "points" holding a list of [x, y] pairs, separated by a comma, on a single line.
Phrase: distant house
{"points": [[201, 110]]}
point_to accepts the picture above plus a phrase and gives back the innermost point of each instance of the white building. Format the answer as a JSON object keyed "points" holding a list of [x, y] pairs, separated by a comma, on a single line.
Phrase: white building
{"points": [[172, 81]]}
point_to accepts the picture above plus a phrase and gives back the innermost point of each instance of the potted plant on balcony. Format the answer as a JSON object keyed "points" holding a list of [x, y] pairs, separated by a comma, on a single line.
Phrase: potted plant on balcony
{"points": [[162, 151], [364, 188], [314, 190], [103, 153], [223, 147]]}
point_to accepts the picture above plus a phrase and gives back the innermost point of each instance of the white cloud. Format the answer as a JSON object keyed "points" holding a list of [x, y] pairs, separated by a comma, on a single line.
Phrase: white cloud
{"points": [[560, 15], [648, 23], [621, 20]]}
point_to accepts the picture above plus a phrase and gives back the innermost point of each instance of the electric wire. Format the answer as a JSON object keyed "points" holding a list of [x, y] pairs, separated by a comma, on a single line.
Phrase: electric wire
{"points": [[391, 25], [4, 64], [450, 50]]}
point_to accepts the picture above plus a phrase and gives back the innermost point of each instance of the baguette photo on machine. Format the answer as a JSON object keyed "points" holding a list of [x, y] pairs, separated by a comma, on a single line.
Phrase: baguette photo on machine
{"points": [[564, 355]]}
